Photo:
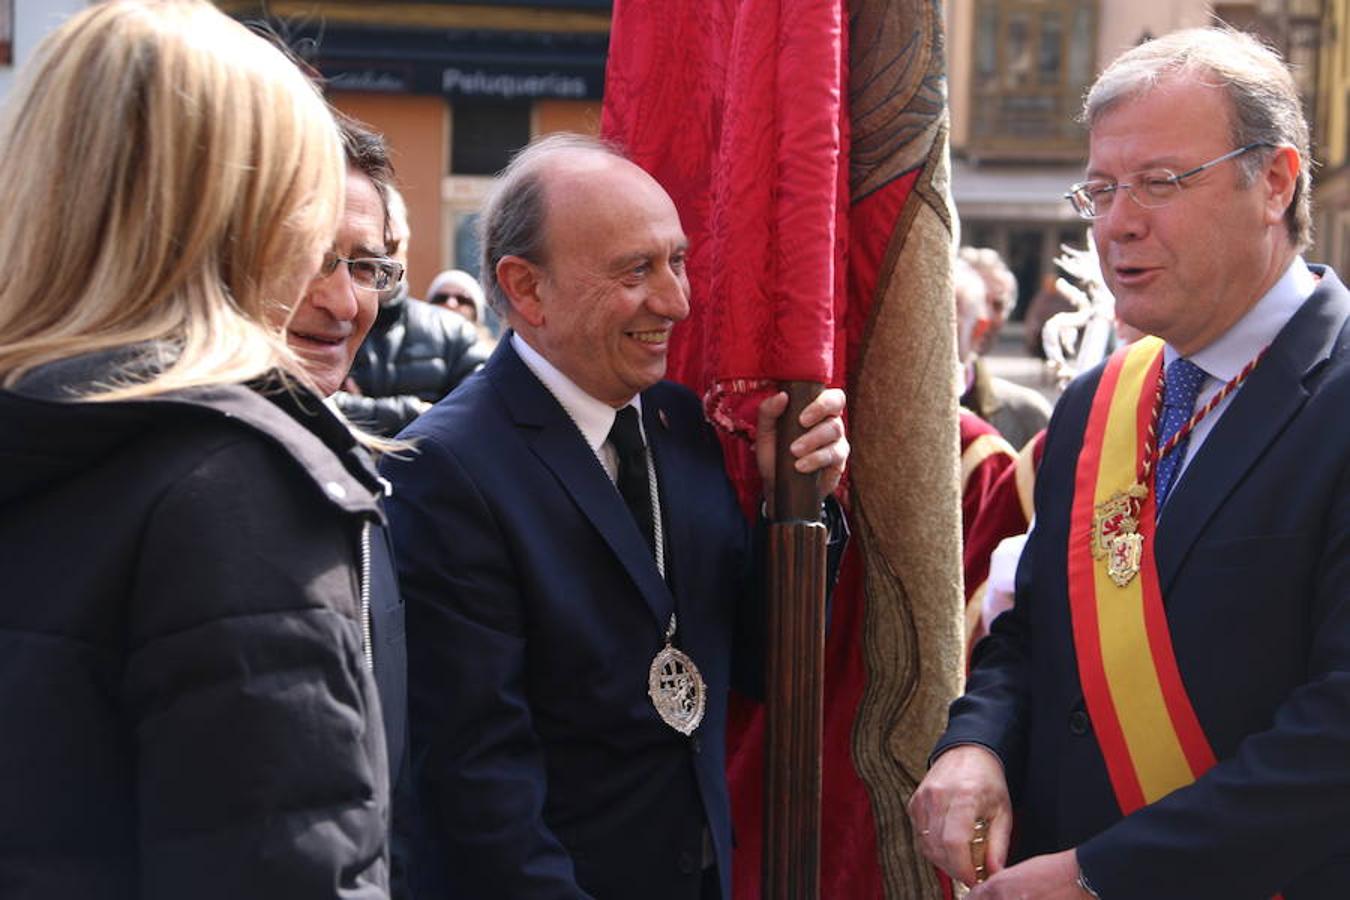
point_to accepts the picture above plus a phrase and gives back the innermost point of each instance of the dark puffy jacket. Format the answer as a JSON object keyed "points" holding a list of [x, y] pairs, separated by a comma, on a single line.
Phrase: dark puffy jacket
{"points": [[415, 354], [186, 707]]}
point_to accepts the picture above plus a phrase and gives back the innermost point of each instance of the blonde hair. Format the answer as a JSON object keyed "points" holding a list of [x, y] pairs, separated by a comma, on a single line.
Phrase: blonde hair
{"points": [[170, 176]]}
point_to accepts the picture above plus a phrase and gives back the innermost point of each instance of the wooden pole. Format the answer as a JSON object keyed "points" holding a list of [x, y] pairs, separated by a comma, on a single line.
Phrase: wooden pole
{"points": [[794, 677]]}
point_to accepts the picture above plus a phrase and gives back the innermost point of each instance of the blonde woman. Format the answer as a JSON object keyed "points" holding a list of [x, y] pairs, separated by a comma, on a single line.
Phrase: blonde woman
{"points": [[186, 703]]}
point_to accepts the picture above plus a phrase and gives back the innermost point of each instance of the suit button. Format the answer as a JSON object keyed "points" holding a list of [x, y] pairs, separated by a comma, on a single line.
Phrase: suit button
{"points": [[688, 864], [695, 744], [1079, 723]]}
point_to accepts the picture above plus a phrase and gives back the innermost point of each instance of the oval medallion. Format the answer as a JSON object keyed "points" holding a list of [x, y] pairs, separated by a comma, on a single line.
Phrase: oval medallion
{"points": [[676, 689]]}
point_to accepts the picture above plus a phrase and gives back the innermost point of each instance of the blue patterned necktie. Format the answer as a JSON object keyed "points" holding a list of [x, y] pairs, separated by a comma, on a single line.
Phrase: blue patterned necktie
{"points": [[1181, 385]]}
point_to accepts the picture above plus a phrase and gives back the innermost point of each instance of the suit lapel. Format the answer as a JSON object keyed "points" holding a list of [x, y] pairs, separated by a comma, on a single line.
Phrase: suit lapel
{"points": [[554, 438], [1259, 412]]}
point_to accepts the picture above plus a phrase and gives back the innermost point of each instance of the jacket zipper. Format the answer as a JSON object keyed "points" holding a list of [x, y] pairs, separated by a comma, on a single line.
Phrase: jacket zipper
{"points": [[366, 640]]}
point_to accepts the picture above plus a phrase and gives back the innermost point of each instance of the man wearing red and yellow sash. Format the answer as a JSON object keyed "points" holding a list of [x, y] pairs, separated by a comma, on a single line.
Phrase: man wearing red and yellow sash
{"points": [[1165, 712]]}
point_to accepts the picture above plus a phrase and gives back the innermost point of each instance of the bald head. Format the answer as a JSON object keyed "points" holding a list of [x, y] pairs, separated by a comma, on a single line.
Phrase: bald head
{"points": [[513, 218], [593, 196], [585, 256]]}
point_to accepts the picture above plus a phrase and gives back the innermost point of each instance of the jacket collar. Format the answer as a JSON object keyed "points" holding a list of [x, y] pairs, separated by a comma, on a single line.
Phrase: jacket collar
{"points": [[1260, 411], [288, 416], [558, 444]]}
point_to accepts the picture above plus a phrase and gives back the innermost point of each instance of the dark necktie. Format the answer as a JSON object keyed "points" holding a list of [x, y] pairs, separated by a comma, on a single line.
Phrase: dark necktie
{"points": [[1181, 385], [633, 483]]}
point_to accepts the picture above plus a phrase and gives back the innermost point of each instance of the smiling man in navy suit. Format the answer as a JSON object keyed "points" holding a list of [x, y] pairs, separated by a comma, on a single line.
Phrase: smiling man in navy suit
{"points": [[578, 576], [1163, 714]]}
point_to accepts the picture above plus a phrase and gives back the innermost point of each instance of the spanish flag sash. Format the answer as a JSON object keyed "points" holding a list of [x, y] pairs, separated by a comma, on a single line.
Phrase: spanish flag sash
{"points": [[1148, 731]]}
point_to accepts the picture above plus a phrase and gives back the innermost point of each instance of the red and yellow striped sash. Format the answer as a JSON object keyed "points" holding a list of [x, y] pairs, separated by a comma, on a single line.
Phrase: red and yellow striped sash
{"points": [[1148, 731]]}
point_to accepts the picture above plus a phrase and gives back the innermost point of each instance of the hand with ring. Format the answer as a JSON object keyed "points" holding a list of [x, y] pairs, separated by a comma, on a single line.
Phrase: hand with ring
{"points": [[963, 815]]}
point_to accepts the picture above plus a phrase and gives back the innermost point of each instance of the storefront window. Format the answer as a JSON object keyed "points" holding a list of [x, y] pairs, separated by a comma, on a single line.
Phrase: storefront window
{"points": [[484, 136], [1034, 60]]}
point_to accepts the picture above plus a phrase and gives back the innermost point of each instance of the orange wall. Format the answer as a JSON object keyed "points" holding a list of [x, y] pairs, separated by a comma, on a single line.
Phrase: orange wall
{"points": [[418, 130], [582, 116]]}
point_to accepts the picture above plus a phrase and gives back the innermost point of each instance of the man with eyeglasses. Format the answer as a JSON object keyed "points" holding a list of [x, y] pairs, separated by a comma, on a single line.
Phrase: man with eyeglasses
{"points": [[338, 309], [1165, 712], [414, 354], [331, 321]]}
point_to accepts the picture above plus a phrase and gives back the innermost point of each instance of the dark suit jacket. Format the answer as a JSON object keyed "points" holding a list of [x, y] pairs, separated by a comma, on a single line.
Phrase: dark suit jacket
{"points": [[534, 610], [1254, 564]]}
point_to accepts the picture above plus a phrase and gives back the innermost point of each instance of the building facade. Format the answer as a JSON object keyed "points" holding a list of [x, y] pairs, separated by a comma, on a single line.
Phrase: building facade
{"points": [[1018, 70], [456, 88], [1331, 180]]}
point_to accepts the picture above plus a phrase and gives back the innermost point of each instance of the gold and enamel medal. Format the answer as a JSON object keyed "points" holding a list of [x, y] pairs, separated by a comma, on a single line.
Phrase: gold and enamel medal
{"points": [[1116, 538], [1115, 533]]}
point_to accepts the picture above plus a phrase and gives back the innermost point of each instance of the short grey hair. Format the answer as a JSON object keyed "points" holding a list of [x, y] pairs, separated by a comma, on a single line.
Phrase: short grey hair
{"points": [[1264, 99], [513, 217], [995, 272]]}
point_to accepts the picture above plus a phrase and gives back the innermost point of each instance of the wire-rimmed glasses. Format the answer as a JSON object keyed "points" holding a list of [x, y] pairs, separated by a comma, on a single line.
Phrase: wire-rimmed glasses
{"points": [[1151, 189], [368, 273]]}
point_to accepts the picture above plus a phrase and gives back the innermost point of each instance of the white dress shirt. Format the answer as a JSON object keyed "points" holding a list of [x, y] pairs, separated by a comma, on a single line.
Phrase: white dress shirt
{"points": [[593, 418], [1225, 357]]}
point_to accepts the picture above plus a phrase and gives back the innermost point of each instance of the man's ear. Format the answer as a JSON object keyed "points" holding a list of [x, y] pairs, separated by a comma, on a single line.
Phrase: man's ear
{"points": [[1279, 179], [520, 281]]}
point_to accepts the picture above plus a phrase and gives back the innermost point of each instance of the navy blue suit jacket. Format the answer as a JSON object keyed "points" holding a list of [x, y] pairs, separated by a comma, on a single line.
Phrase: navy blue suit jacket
{"points": [[1253, 559], [534, 610]]}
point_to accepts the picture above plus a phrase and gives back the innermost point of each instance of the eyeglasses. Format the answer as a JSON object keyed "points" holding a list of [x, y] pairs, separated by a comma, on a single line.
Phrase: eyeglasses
{"points": [[1151, 189], [371, 274]]}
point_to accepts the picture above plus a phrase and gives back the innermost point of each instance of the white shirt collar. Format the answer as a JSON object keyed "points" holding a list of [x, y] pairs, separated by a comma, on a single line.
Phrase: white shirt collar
{"points": [[1224, 358], [594, 418]]}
